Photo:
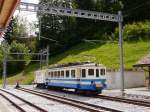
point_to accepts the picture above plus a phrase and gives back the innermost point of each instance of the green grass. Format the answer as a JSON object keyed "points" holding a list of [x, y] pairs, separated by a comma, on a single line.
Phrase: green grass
{"points": [[25, 77], [107, 54]]}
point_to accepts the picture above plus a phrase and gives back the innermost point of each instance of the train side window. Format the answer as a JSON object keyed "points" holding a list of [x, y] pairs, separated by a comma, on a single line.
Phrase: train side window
{"points": [[49, 74], [102, 71], [67, 73], [58, 73], [55, 73], [83, 73], [62, 74], [52, 74], [90, 72], [72, 73], [97, 72]]}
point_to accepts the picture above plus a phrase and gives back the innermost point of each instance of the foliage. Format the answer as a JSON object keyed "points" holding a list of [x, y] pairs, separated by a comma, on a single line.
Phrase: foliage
{"points": [[57, 28], [20, 27], [14, 66], [17, 28], [135, 31], [135, 10]]}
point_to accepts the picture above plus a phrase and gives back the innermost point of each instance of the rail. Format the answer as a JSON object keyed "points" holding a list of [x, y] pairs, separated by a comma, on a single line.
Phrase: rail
{"points": [[13, 103], [125, 100], [72, 102], [23, 100]]}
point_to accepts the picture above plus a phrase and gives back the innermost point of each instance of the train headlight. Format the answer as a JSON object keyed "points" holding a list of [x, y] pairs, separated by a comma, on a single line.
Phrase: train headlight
{"points": [[98, 85]]}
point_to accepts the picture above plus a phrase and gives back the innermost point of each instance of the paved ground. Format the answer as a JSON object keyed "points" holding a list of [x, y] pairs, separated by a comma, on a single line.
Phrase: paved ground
{"points": [[138, 91]]}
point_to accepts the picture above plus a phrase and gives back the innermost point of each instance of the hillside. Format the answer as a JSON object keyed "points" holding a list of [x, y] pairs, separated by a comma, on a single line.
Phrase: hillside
{"points": [[107, 54]]}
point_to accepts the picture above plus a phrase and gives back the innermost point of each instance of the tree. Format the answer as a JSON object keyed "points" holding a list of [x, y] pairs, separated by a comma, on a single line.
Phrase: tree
{"points": [[136, 10], [57, 28], [17, 28], [96, 29], [13, 67]]}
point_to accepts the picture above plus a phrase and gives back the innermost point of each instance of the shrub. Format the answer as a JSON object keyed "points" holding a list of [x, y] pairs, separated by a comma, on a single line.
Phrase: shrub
{"points": [[135, 31]]}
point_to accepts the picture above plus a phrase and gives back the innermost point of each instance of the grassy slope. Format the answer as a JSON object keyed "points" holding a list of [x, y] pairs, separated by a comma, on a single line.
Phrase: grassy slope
{"points": [[25, 77], [107, 54]]}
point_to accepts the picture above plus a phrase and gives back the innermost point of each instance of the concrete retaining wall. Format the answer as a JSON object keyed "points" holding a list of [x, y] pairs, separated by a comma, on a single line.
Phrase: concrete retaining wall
{"points": [[132, 79]]}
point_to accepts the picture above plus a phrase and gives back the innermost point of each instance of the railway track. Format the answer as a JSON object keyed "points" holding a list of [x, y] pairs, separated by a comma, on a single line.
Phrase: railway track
{"points": [[125, 100], [82, 105], [18, 106], [119, 99]]}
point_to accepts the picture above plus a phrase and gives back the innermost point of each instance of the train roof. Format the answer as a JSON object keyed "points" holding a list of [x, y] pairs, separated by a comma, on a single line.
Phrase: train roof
{"points": [[81, 64]]}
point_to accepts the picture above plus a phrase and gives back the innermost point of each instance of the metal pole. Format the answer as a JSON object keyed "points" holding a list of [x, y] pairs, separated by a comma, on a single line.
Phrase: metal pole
{"points": [[47, 57], [4, 72], [41, 61], [149, 77], [121, 53], [4, 66], [39, 27]]}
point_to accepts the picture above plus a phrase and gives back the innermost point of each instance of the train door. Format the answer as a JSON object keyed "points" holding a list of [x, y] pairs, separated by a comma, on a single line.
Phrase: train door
{"points": [[40, 77], [78, 76], [102, 72]]}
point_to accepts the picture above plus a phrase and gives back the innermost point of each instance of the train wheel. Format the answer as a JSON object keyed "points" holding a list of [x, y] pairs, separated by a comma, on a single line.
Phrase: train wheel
{"points": [[88, 93]]}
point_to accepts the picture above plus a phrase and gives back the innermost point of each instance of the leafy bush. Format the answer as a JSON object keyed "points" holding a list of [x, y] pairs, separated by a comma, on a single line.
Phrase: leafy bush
{"points": [[134, 32]]}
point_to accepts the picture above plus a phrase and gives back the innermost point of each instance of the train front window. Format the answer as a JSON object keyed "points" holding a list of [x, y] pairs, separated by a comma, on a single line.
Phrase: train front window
{"points": [[83, 73], [90, 72], [102, 71], [97, 72], [67, 73], [72, 73]]}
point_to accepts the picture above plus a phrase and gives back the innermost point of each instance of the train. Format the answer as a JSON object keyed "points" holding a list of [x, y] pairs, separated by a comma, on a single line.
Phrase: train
{"points": [[86, 77]]}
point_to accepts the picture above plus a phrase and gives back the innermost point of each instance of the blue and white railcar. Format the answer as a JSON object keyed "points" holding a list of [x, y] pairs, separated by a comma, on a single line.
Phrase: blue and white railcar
{"points": [[86, 77]]}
